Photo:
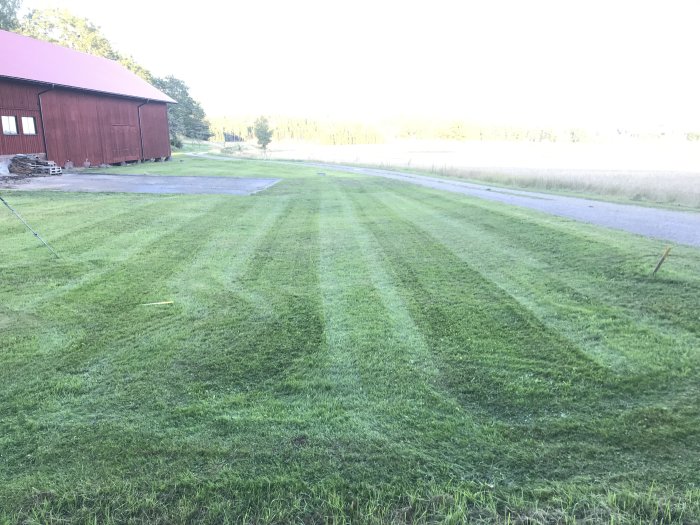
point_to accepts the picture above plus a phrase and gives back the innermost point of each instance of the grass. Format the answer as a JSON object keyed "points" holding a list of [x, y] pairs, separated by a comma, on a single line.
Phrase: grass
{"points": [[341, 350], [183, 165], [189, 146]]}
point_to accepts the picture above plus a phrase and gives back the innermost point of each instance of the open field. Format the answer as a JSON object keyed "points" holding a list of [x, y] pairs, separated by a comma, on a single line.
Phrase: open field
{"points": [[340, 349], [653, 172]]}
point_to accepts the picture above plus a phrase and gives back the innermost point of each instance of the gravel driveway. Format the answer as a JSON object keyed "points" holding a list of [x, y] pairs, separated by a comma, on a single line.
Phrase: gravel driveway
{"points": [[677, 226], [144, 184]]}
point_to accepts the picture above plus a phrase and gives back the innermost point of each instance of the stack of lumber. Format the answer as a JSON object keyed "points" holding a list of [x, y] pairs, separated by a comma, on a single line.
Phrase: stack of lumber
{"points": [[33, 165]]}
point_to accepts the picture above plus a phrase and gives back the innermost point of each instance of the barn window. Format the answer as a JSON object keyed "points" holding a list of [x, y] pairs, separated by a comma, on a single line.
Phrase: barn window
{"points": [[9, 125], [28, 126]]}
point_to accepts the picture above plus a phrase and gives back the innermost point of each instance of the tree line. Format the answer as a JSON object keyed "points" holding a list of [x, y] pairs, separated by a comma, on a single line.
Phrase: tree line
{"points": [[233, 129], [327, 132], [319, 131], [59, 26]]}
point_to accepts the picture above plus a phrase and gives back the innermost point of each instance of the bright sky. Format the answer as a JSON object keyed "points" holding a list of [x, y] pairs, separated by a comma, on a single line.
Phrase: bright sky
{"points": [[572, 62]]}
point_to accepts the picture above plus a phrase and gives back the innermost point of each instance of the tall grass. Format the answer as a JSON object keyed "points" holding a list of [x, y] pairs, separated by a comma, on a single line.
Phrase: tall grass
{"points": [[680, 188]]}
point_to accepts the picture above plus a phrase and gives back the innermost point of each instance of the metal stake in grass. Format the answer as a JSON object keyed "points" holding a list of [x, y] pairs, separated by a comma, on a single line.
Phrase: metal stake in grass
{"points": [[28, 227], [661, 261]]}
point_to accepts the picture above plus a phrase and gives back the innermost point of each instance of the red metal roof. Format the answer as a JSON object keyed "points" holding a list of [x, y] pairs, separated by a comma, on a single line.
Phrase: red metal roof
{"points": [[25, 58]]}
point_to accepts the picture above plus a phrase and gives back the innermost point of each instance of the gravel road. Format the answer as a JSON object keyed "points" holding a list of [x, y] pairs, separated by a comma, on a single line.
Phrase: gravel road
{"points": [[93, 182], [676, 226]]}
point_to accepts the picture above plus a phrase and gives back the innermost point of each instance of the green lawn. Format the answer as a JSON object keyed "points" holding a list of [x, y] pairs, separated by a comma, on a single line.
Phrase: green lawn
{"points": [[340, 349]]}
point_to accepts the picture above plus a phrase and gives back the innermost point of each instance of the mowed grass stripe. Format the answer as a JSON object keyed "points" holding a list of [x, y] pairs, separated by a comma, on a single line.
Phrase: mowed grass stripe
{"points": [[257, 331], [83, 236], [51, 283], [177, 235], [563, 292], [568, 294], [495, 367], [84, 223], [609, 264], [207, 281], [114, 322], [58, 216], [84, 328], [250, 364], [465, 315], [102, 244], [379, 364], [178, 382]]}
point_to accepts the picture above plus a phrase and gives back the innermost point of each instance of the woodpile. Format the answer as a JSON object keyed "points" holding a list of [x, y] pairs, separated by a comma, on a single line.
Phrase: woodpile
{"points": [[33, 165]]}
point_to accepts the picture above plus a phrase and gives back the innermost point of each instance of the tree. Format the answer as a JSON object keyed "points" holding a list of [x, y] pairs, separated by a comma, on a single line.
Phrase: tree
{"points": [[262, 131], [61, 27], [8, 14], [187, 117]]}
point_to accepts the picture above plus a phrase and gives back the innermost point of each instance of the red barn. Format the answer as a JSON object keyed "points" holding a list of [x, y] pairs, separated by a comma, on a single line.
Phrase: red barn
{"points": [[75, 107]]}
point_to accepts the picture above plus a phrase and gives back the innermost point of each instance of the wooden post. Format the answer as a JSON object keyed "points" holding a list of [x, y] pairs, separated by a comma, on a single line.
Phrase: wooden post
{"points": [[661, 261]]}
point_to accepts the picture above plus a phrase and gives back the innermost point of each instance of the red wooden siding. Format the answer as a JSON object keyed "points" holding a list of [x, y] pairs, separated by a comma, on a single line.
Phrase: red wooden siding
{"points": [[72, 127], [120, 129], [84, 126], [154, 126], [19, 99]]}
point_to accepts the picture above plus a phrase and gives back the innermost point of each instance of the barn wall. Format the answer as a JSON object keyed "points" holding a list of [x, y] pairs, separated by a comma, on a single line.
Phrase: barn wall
{"points": [[72, 127], [119, 122], [154, 126], [83, 126], [20, 99]]}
